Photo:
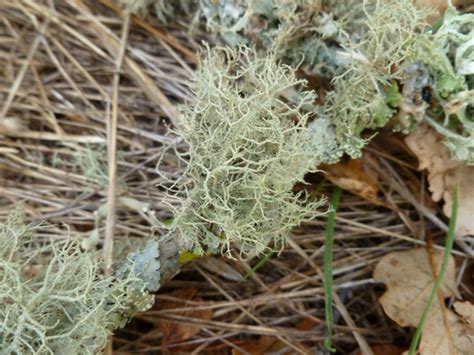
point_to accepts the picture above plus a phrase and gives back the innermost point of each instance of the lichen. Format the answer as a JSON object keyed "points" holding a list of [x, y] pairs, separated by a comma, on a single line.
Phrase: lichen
{"points": [[164, 10], [385, 63], [185, 256], [436, 86], [89, 161], [448, 54], [303, 33], [370, 50], [53, 296], [248, 147], [399, 70], [361, 96], [144, 264]]}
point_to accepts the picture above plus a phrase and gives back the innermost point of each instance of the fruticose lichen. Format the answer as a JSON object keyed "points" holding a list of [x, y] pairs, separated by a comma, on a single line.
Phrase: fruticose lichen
{"points": [[253, 132], [88, 161], [385, 62], [362, 96], [53, 296], [164, 10], [248, 147], [434, 84]]}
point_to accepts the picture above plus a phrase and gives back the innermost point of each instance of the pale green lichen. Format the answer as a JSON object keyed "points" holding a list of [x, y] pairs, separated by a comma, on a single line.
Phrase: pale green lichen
{"points": [[53, 297], [254, 132], [302, 33], [323, 141], [380, 56], [164, 10], [144, 264], [436, 86], [88, 161], [398, 72], [448, 54], [361, 96], [248, 147], [375, 52]]}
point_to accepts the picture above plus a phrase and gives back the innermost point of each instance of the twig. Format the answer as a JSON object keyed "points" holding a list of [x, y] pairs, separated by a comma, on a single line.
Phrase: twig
{"points": [[112, 152]]}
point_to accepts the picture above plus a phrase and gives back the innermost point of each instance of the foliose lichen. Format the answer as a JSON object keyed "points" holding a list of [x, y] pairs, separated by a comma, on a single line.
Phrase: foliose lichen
{"points": [[448, 55], [302, 33], [145, 264]]}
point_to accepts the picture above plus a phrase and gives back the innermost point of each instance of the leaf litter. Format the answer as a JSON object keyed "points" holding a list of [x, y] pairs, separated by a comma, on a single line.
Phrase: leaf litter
{"points": [[444, 173], [409, 278]]}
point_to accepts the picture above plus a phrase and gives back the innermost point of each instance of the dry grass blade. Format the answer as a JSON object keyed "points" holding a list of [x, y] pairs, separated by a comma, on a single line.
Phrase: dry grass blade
{"points": [[112, 152]]}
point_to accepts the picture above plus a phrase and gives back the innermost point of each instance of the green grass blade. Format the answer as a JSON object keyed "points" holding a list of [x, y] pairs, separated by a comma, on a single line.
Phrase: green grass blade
{"points": [[336, 195], [257, 266], [439, 278]]}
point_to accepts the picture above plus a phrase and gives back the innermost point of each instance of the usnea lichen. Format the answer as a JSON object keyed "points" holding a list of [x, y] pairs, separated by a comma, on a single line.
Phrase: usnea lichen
{"points": [[88, 161], [164, 10], [386, 66], [384, 62], [53, 297], [248, 147], [361, 97], [435, 84], [254, 132], [373, 50]]}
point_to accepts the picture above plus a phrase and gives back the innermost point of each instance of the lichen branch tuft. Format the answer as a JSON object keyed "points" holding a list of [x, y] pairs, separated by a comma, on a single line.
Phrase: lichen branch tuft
{"points": [[248, 147]]}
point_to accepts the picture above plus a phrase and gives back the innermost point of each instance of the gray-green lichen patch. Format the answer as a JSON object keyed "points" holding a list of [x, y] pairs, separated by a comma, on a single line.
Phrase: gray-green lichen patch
{"points": [[361, 96], [371, 50], [448, 53], [248, 147], [164, 10], [54, 298], [145, 264], [365, 47], [302, 33]]}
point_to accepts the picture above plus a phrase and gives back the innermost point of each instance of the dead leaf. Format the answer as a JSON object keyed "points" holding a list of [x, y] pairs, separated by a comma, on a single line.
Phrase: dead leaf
{"points": [[174, 332], [263, 345], [384, 349], [409, 279], [439, 5], [444, 174], [267, 344], [466, 311], [354, 175], [306, 324]]}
